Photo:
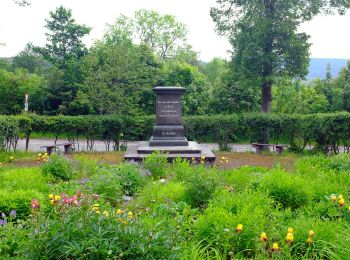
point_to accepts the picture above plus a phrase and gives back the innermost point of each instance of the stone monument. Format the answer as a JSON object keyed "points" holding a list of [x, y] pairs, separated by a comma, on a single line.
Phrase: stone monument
{"points": [[169, 133]]}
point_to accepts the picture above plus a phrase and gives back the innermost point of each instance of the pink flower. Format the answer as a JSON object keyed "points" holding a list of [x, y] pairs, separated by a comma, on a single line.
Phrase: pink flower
{"points": [[35, 204]]}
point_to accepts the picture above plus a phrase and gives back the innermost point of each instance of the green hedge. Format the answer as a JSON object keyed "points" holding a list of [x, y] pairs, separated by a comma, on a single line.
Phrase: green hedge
{"points": [[325, 131]]}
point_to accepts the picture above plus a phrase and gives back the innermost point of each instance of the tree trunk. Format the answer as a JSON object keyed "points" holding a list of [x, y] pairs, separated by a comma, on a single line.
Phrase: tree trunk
{"points": [[266, 97]]}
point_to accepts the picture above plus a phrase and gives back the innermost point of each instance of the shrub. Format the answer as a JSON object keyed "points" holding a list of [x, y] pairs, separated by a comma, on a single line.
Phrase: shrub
{"points": [[181, 168], [156, 163], [156, 193], [20, 200], [58, 167], [288, 191], [107, 184], [339, 163], [200, 186], [131, 179], [85, 167], [14, 239], [24, 179]]}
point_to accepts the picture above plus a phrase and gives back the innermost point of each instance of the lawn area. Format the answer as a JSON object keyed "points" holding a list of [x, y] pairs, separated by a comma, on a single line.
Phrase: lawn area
{"points": [[93, 206]]}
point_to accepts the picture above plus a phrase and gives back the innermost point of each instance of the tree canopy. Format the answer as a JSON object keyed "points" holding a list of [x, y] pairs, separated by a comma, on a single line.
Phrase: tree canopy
{"points": [[265, 39]]}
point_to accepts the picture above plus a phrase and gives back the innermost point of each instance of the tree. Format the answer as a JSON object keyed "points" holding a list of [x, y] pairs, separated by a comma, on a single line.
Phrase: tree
{"points": [[264, 37], [118, 80], [64, 38], [13, 86], [30, 60], [162, 33], [195, 100], [64, 50]]}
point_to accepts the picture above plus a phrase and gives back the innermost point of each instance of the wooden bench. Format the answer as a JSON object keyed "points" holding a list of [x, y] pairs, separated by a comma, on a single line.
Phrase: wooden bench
{"points": [[261, 147], [51, 148]]}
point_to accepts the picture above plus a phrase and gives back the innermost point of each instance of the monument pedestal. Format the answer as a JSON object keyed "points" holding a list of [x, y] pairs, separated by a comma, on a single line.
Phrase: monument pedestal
{"points": [[168, 133], [194, 152]]}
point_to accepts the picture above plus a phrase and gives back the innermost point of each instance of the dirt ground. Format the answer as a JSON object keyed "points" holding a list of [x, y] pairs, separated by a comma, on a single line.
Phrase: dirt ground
{"points": [[224, 159]]}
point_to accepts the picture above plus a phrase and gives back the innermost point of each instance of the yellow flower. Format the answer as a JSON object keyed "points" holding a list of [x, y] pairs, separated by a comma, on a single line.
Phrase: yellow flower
{"points": [[57, 197], [39, 154], [97, 212], [11, 158], [349, 208], [0, 164], [130, 215], [275, 247], [340, 197], [263, 236], [290, 230], [239, 228], [51, 196], [290, 238], [341, 202], [223, 158], [309, 241], [311, 233], [119, 211], [334, 198], [52, 202], [105, 213]]}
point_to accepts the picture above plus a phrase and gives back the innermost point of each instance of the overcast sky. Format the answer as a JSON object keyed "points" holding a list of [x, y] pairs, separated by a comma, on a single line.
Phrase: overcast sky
{"points": [[19, 25]]}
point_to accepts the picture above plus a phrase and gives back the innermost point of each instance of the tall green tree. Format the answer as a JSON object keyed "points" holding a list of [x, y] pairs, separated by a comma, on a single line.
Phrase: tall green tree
{"points": [[30, 60], [64, 50], [162, 33], [265, 39], [118, 80], [64, 38]]}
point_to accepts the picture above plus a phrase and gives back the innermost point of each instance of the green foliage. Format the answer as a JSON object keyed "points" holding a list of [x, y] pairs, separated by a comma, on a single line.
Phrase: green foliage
{"points": [[14, 239], [287, 191], [176, 73], [122, 83], [85, 167], [13, 86], [340, 163], [20, 200], [160, 221], [106, 184], [327, 132], [163, 33], [265, 39], [157, 164], [24, 179], [200, 187], [58, 167], [131, 179], [157, 193]]}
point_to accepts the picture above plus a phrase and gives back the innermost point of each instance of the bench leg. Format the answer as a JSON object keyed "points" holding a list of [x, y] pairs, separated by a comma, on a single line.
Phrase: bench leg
{"points": [[258, 149], [49, 150], [68, 148], [279, 150]]}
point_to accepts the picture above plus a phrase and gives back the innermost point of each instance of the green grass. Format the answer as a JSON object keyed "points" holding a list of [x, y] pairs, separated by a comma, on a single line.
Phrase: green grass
{"points": [[191, 214]]}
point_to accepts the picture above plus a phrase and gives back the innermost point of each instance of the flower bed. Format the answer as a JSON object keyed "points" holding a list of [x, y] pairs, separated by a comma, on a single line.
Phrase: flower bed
{"points": [[187, 212]]}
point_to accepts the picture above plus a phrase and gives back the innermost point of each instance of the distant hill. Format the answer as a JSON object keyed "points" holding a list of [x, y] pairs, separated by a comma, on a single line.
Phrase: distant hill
{"points": [[318, 67]]}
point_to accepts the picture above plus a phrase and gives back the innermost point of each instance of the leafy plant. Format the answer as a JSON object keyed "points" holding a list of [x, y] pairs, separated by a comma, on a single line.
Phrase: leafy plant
{"points": [[156, 163], [58, 167], [200, 187]]}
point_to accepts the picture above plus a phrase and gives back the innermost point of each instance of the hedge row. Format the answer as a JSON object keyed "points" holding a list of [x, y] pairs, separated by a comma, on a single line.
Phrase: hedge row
{"points": [[325, 131]]}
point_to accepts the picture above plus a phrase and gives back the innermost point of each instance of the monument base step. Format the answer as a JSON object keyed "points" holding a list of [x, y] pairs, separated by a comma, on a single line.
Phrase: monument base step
{"points": [[167, 141], [146, 148], [194, 153]]}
